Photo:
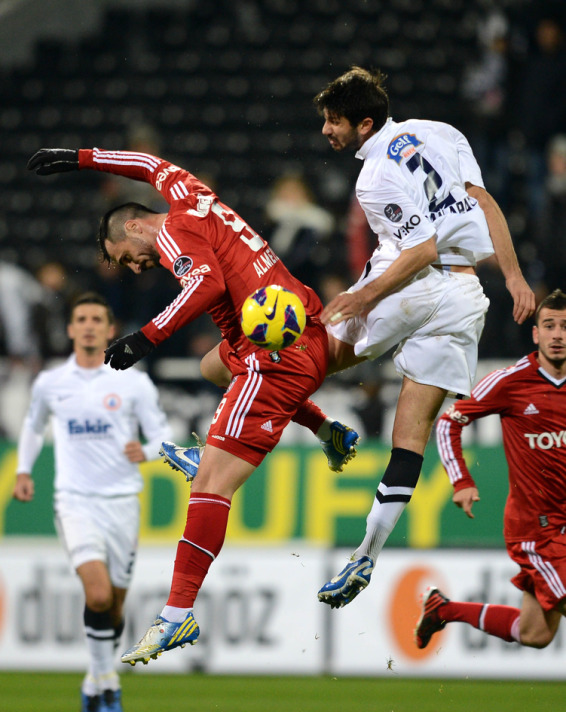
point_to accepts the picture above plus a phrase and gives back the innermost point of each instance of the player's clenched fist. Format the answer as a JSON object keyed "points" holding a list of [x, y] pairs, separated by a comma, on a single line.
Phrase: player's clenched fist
{"points": [[125, 352], [54, 160]]}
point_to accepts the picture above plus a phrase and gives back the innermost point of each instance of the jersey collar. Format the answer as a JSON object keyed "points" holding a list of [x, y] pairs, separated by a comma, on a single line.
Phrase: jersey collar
{"points": [[366, 147], [75, 368]]}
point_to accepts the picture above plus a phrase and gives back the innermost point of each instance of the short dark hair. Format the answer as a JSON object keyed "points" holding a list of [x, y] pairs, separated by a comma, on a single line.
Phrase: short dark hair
{"points": [[111, 227], [356, 95], [554, 300], [91, 298]]}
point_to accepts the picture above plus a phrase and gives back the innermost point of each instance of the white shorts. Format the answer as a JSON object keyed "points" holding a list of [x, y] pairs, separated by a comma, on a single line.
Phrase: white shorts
{"points": [[436, 320], [100, 529]]}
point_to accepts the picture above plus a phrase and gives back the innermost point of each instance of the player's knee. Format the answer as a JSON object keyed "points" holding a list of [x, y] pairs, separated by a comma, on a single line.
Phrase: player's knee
{"points": [[537, 638], [99, 600]]}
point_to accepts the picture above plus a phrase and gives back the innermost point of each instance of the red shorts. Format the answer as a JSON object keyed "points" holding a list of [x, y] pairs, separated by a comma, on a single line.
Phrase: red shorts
{"points": [[543, 568], [266, 390]]}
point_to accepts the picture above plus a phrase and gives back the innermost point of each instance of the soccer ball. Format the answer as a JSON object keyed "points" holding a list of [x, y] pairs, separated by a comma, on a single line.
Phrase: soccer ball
{"points": [[273, 318]]}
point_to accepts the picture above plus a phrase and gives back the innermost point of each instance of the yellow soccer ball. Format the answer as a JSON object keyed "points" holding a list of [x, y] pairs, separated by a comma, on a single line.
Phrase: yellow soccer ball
{"points": [[273, 318]]}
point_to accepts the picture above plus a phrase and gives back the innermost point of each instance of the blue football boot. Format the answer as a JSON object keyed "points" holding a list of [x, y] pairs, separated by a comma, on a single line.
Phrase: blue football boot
{"points": [[162, 635], [340, 448], [184, 459], [345, 586]]}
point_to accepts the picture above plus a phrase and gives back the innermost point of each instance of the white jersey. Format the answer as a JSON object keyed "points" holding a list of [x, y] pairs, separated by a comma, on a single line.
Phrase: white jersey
{"points": [[95, 413], [412, 186]]}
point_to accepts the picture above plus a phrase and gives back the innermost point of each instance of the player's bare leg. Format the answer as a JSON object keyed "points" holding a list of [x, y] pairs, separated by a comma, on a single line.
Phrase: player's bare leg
{"points": [[538, 627], [213, 369]]}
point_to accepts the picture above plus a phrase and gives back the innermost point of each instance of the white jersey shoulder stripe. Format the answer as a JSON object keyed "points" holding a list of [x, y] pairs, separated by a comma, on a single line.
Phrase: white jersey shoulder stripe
{"points": [[168, 244], [446, 452], [491, 380], [167, 314], [125, 159], [179, 191]]}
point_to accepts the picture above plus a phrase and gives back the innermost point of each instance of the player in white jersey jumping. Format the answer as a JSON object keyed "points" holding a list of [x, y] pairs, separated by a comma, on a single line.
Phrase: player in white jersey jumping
{"points": [[423, 195], [96, 413]]}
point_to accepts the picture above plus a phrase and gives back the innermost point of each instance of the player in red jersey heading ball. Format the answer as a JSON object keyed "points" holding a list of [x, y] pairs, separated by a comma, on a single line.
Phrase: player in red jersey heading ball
{"points": [[218, 260]]}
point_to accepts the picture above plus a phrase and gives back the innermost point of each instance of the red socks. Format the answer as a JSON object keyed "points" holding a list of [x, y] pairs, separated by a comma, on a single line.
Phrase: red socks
{"points": [[501, 621], [309, 415], [207, 518]]}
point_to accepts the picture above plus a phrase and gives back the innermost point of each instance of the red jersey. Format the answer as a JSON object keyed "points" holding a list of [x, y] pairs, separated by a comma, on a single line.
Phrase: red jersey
{"points": [[215, 255], [532, 408]]}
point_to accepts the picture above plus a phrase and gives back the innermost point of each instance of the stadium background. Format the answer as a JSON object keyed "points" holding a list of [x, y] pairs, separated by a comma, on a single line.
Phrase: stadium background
{"points": [[226, 90]]}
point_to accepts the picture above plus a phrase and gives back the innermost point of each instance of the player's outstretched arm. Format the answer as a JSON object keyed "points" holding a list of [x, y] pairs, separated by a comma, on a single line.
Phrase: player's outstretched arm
{"points": [[410, 262], [465, 499], [522, 294], [47, 161]]}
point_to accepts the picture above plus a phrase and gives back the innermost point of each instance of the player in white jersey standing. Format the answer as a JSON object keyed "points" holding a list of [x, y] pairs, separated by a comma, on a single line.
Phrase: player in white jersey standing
{"points": [[96, 414], [422, 193]]}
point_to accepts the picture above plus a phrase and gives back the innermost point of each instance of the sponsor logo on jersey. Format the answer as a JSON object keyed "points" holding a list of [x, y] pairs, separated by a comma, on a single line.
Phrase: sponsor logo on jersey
{"points": [[393, 212], [265, 262], [454, 414], [218, 437], [112, 401], [162, 175], [462, 206], [267, 426], [531, 409], [203, 269], [405, 229], [88, 427], [402, 147], [204, 203], [546, 441], [182, 265]]}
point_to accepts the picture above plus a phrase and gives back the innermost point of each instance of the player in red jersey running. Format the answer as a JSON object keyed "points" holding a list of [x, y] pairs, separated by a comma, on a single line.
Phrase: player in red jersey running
{"points": [[530, 398], [219, 261]]}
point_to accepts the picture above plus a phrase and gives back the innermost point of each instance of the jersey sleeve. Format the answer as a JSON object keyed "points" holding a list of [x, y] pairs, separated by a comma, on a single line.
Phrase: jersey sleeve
{"points": [[469, 167], [31, 437], [199, 294], [485, 400], [172, 182], [151, 417]]}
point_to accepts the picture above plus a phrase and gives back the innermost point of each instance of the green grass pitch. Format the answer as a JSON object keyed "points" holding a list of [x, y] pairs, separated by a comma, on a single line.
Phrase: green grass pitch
{"points": [[57, 692]]}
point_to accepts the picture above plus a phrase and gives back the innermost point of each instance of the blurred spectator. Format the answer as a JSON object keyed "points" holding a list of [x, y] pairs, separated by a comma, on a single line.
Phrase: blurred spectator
{"points": [[20, 293], [52, 313], [298, 230], [542, 111], [118, 288], [116, 190], [501, 337], [551, 224], [484, 89], [359, 239]]}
